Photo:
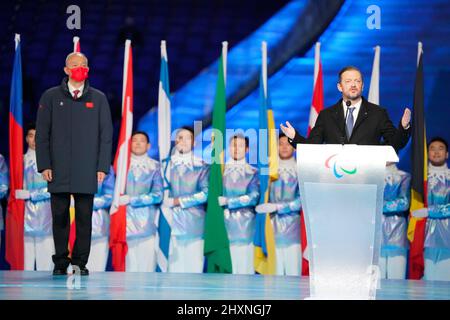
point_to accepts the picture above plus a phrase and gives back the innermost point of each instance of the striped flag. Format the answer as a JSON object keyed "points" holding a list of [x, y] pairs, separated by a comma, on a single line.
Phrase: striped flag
{"points": [[118, 226], [164, 143], [73, 230], [16, 207], [217, 244], [317, 101], [416, 227], [374, 90], [264, 259], [317, 105]]}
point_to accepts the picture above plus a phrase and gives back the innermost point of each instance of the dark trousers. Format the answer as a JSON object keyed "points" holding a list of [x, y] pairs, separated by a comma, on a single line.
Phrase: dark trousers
{"points": [[60, 203]]}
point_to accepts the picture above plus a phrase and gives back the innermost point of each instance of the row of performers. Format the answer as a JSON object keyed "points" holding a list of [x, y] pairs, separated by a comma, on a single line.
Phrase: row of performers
{"points": [[188, 196]]}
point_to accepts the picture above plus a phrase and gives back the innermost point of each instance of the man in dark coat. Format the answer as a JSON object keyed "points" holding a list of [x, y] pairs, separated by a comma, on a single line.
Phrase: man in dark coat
{"points": [[354, 120], [73, 151]]}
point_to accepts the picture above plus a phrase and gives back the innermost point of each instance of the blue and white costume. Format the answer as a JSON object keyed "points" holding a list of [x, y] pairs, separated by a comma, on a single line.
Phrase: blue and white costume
{"points": [[38, 236], [394, 243], [98, 256], [437, 230], [4, 185], [241, 190], [145, 189], [285, 193], [189, 183]]}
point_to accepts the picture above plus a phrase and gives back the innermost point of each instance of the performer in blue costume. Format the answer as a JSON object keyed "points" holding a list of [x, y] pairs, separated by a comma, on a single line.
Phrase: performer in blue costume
{"points": [[4, 186], [144, 193], [394, 245], [240, 195], [284, 206], [187, 197], [98, 257], [437, 230], [38, 236]]}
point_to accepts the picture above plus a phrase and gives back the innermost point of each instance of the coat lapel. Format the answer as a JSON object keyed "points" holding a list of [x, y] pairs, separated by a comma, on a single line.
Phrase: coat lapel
{"points": [[362, 115], [338, 116]]}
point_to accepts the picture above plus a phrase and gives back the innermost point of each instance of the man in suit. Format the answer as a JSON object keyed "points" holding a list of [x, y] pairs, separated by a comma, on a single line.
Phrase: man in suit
{"points": [[73, 153], [353, 120]]}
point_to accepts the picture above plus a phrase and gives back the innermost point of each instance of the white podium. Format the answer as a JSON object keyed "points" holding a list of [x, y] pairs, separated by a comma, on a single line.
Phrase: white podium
{"points": [[341, 189]]}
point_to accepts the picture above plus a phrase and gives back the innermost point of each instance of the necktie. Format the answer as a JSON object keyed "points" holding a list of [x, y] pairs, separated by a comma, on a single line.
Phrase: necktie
{"points": [[349, 124], [75, 94]]}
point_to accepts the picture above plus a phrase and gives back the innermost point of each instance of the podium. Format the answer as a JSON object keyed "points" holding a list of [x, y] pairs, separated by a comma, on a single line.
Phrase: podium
{"points": [[341, 190]]}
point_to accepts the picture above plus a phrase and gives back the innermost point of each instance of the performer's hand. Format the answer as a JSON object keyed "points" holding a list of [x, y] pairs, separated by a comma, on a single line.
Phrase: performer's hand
{"points": [[171, 202], [168, 202], [124, 200], [100, 176], [420, 213], [47, 175], [289, 130], [406, 118], [266, 208], [22, 194], [222, 201]]}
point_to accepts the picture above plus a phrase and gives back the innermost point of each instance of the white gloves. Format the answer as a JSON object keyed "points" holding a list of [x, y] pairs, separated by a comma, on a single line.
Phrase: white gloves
{"points": [[168, 202], [266, 208], [124, 200], [420, 213], [244, 199], [223, 201], [22, 194]]}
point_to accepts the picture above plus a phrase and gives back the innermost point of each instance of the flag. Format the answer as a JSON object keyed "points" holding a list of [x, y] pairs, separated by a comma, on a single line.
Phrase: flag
{"points": [[317, 105], [118, 226], [374, 90], [76, 44], [16, 207], [317, 101], [264, 259], [419, 175], [164, 136], [73, 230], [217, 244]]}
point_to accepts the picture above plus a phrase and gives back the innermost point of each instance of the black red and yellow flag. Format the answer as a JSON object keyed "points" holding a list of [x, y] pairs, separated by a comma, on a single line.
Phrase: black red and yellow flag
{"points": [[416, 228]]}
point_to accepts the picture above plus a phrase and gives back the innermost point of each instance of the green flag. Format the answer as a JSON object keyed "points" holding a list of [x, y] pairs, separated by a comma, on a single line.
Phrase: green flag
{"points": [[217, 245]]}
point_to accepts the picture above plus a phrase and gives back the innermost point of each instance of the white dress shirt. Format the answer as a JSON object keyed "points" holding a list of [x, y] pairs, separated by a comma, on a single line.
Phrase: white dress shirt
{"points": [[355, 112], [72, 89]]}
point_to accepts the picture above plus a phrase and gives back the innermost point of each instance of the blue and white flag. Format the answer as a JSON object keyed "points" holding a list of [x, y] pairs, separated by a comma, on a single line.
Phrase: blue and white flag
{"points": [[164, 145]]}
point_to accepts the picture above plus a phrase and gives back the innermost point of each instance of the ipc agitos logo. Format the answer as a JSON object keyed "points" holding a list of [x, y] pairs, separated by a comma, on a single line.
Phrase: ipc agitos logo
{"points": [[338, 169]]}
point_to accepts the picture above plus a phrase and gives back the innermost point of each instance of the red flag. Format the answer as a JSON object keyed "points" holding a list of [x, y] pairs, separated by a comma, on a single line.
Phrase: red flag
{"points": [[118, 226], [317, 100], [16, 207], [316, 107]]}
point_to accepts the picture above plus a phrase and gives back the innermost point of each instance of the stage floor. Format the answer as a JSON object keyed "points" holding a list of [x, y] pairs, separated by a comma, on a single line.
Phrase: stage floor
{"points": [[34, 285]]}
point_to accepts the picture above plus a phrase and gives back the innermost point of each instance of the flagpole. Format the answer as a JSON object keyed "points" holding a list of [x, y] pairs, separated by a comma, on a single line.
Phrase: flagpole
{"points": [[419, 51], [76, 44], [224, 55], [374, 90]]}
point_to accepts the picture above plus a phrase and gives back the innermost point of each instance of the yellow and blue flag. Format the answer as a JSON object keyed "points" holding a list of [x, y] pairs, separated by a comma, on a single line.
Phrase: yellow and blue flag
{"points": [[264, 241]]}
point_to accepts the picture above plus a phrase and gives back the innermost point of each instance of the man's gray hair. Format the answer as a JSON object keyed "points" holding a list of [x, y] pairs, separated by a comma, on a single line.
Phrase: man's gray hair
{"points": [[76, 54]]}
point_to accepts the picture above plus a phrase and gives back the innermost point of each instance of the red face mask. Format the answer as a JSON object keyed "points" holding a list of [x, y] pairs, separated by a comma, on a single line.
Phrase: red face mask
{"points": [[79, 73]]}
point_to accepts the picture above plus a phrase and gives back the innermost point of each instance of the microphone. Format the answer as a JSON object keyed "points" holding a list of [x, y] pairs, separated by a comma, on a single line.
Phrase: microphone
{"points": [[348, 103]]}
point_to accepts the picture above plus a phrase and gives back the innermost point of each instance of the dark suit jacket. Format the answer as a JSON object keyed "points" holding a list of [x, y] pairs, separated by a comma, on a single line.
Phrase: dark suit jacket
{"points": [[372, 127], [73, 138]]}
